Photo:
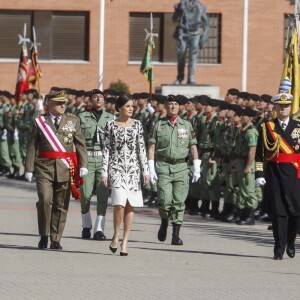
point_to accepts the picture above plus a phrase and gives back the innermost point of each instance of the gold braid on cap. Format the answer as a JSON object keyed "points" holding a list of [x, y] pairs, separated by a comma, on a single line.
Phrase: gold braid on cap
{"points": [[270, 145]]}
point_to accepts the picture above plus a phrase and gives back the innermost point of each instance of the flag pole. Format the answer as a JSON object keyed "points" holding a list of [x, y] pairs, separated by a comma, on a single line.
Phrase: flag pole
{"points": [[147, 66]]}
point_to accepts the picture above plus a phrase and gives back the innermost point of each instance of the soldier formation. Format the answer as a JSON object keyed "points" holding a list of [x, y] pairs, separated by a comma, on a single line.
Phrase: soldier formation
{"points": [[225, 134]]}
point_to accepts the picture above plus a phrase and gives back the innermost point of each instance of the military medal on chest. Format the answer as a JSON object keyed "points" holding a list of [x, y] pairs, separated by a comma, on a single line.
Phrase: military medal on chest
{"points": [[182, 135]]}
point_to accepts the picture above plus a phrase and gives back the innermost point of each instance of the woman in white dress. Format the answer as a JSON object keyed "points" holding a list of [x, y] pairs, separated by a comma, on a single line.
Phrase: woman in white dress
{"points": [[124, 161]]}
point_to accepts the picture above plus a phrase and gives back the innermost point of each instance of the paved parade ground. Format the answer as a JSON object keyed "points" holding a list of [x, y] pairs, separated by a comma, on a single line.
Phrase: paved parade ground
{"points": [[217, 260]]}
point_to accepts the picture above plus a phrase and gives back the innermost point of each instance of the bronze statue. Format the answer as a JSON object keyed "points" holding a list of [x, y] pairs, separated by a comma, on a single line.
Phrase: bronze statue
{"points": [[189, 14]]}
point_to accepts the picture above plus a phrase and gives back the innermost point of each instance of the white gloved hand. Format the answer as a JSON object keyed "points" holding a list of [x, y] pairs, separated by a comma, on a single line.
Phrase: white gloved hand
{"points": [[196, 170], [16, 134], [28, 176], [261, 181], [4, 135], [83, 172], [150, 108], [152, 173]]}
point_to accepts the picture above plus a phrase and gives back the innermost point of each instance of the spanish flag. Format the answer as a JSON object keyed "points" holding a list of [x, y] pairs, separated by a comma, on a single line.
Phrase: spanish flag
{"points": [[290, 77], [146, 66]]}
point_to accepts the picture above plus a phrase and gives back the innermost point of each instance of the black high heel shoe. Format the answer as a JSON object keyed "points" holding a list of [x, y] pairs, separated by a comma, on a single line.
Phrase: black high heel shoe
{"points": [[123, 253], [112, 249]]}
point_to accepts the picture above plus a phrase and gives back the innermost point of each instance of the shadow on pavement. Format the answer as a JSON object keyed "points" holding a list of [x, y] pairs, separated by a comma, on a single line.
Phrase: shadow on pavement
{"points": [[205, 253], [18, 247]]}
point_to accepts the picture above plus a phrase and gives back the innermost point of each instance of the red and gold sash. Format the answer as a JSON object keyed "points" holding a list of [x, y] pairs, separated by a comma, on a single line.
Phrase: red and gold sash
{"points": [[288, 154]]}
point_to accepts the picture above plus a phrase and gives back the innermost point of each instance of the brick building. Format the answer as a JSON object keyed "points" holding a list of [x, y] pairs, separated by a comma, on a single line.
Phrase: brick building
{"points": [[70, 35]]}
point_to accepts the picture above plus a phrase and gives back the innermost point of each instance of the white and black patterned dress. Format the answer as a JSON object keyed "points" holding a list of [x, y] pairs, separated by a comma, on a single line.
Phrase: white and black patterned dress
{"points": [[124, 160]]}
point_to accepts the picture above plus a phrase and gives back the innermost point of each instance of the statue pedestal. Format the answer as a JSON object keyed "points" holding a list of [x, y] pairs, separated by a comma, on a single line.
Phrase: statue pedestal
{"points": [[191, 90]]}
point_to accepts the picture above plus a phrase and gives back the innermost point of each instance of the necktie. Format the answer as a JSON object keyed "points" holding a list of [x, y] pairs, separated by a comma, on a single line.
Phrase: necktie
{"points": [[283, 125], [56, 122]]}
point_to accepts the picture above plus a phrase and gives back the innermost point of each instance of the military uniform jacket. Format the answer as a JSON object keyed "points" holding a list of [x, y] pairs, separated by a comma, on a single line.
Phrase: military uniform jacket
{"points": [[69, 134], [282, 183], [93, 129], [172, 143]]}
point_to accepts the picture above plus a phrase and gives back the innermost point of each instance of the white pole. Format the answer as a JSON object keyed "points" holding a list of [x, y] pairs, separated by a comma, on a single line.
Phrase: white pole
{"points": [[101, 43], [245, 46]]}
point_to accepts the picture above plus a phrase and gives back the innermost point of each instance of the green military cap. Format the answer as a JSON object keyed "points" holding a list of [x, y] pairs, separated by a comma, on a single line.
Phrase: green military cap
{"points": [[266, 98], [56, 96], [233, 92], [249, 112], [181, 99], [173, 98], [254, 97], [159, 98], [203, 99], [244, 95], [144, 95]]}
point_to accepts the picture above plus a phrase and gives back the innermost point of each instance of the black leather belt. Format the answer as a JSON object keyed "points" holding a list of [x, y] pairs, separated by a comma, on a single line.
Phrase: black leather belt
{"points": [[170, 160]]}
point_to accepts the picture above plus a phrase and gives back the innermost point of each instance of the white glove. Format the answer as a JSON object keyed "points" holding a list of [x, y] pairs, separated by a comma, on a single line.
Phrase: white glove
{"points": [[4, 135], [152, 173], [16, 134], [150, 108], [196, 170], [28, 176], [261, 181], [83, 172]]}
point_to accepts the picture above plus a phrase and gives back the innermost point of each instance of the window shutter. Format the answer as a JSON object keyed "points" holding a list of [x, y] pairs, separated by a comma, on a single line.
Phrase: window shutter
{"points": [[137, 43], [12, 24], [69, 36]]}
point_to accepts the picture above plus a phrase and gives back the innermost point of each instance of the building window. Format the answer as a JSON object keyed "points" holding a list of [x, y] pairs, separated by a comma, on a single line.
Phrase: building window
{"points": [[63, 35], [165, 50]]}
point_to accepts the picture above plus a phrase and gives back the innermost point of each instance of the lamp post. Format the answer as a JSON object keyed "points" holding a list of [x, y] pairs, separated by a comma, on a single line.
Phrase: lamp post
{"points": [[245, 46], [101, 44]]}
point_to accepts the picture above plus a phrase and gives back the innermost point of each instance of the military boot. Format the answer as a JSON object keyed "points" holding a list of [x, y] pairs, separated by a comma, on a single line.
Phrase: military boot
{"points": [[5, 171], [162, 232], [14, 174], [175, 236], [247, 218], [215, 210]]}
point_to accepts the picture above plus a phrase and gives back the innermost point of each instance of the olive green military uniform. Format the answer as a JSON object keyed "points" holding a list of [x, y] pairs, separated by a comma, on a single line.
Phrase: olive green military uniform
{"points": [[80, 108], [225, 147], [23, 130], [13, 137], [92, 130], [172, 145], [246, 196], [208, 170], [52, 175], [4, 152], [142, 116]]}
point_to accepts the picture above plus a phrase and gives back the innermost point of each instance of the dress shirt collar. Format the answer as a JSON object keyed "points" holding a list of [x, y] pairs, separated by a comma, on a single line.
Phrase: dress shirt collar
{"points": [[286, 122]]}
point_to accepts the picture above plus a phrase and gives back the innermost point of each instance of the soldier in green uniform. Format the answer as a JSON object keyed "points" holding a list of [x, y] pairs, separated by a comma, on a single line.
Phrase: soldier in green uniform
{"points": [[190, 110], [22, 128], [206, 149], [5, 161], [79, 102], [53, 139], [172, 140], [245, 168], [92, 124], [10, 118], [158, 103]]}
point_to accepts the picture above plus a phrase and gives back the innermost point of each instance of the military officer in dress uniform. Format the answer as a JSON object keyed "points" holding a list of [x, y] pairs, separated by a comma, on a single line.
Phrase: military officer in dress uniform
{"points": [[279, 145], [92, 124], [172, 140], [50, 154]]}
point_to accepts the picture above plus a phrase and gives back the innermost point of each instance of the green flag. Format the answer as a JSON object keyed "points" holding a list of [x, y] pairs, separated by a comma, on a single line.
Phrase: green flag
{"points": [[146, 66]]}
